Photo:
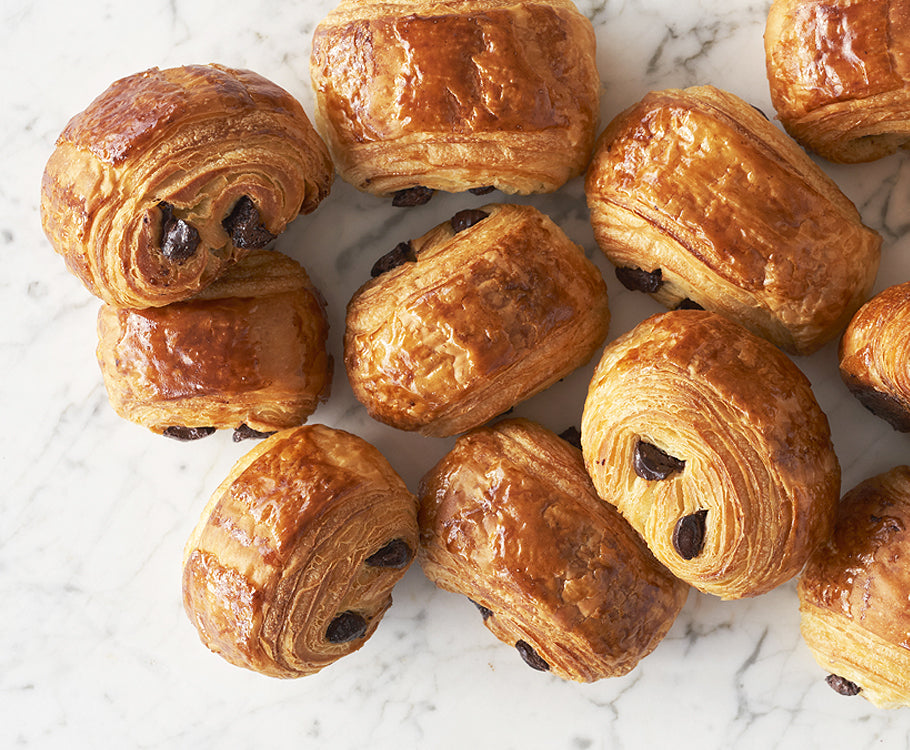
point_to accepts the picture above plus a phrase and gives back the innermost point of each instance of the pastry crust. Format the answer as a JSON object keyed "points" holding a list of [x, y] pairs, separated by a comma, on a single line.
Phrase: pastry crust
{"points": [[476, 321], [874, 356], [710, 442], [295, 556], [456, 95], [510, 519], [248, 350], [853, 593], [720, 208], [170, 176], [839, 72]]}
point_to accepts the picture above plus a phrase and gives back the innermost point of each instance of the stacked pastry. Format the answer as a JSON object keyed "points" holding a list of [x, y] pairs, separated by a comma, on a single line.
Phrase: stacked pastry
{"points": [[160, 196]]}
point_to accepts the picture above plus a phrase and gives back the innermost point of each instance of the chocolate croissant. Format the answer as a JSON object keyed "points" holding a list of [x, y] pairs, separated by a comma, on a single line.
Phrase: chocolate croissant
{"points": [[839, 72], [874, 354], [853, 593], [710, 442], [510, 519], [699, 201], [414, 96], [294, 559], [248, 353], [481, 312], [170, 176]]}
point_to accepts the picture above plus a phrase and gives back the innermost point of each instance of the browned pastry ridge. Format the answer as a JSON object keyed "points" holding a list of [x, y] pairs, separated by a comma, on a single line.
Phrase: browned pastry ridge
{"points": [[292, 564], [853, 593], [510, 519], [839, 72], [710, 442], [169, 176], [248, 352], [481, 312], [700, 201], [875, 356], [457, 95]]}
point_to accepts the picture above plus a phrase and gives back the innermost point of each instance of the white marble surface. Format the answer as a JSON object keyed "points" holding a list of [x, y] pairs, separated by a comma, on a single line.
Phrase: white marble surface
{"points": [[95, 650]]}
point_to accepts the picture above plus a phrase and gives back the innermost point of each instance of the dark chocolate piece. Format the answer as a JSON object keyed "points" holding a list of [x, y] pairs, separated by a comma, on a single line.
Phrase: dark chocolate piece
{"points": [[346, 627], [572, 435], [651, 463], [467, 218], [245, 227], [186, 434], [531, 657], [415, 196], [396, 554], [179, 240], [841, 685], [689, 534], [399, 255], [639, 280], [245, 432]]}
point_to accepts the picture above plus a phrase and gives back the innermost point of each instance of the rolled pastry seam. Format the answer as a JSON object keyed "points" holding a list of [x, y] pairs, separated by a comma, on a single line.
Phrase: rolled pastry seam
{"points": [[510, 519], [294, 558], [874, 353], [248, 353], [419, 95], [839, 75], [702, 202], [853, 593], [170, 176], [481, 312], [711, 444]]}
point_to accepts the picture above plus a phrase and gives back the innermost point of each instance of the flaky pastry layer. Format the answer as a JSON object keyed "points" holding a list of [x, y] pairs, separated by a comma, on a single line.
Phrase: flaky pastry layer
{"points": [[170, 176], [839, 72], [710, 442], [251, 349], [510, 519], [456, 95], [294, 558], [853, 593], [476, 321], [696, 189]]}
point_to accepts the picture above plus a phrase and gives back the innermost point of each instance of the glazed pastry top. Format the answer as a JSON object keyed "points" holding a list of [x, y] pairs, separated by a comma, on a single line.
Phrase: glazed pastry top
{"points": [[826, 51], [860, 572]]}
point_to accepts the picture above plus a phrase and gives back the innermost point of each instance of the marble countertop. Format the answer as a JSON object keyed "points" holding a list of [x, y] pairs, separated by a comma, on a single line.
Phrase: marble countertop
{"points": [[95, 649]]}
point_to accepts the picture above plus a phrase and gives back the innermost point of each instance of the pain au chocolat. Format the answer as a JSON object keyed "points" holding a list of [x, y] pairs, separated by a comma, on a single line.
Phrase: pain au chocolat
{"points": [[510, 519], [839, 72], [853, 593], [415, 96], [169, 176], [481, 312], [709, 441], [247, 353], [699, 201], [874, 356], [294, 559]]}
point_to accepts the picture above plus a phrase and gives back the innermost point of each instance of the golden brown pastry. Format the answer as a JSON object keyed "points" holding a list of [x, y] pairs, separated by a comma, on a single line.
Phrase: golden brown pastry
{"points": [[414, 96], [839, 72], [875, 356], [710, 442], [169, 176], [853, 593], [510, 519], [701, 202], [481, 312], [248, 352], [294, 559]]}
